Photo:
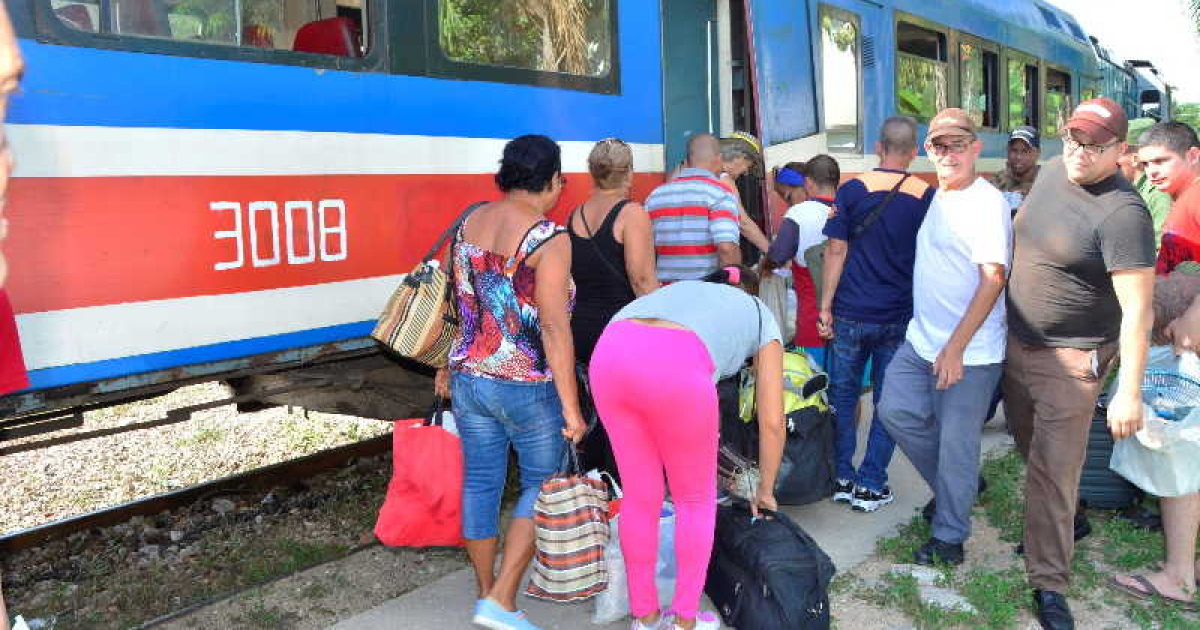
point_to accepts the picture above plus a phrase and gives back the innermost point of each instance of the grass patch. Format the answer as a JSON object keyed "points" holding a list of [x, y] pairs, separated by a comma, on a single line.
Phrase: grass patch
{"points": [[1129, 547], [203, 436], [1004, 499], [998, 595], [259, 616], [900, 591], [1001, 595], [900, 548], [285, 555]]}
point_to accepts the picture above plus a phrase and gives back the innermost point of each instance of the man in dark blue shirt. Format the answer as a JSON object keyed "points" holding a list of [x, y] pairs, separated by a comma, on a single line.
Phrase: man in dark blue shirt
{"points": [[866, 301]]}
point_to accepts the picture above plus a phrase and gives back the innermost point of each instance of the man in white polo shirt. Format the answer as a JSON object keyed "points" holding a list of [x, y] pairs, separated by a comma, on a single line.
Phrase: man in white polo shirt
{"points": [[939, 384]]}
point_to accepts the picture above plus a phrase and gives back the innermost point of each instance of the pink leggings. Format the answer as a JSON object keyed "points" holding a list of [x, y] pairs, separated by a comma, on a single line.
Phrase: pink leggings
{"points": [[655, 395]]}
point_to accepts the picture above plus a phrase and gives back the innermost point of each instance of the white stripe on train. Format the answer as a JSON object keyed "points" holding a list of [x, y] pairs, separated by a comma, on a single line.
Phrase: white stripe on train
{"points": [[96, 333], [64, 151]]}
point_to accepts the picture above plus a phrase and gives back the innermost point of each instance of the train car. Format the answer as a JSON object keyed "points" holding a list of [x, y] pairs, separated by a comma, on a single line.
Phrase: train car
{"points": [[1118, 80], [222, 189], [1152, 91]]}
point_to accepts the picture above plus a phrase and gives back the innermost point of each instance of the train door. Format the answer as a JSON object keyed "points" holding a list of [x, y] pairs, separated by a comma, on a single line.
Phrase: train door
{"points": [[691, 102]]}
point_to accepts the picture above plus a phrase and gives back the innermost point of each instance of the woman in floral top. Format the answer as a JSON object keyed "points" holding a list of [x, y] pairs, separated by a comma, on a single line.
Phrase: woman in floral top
{"points": [[512, 364]]}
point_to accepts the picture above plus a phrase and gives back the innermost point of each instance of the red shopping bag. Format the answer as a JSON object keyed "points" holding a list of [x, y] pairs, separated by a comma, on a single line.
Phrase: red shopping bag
{"points": [[423, 507]]}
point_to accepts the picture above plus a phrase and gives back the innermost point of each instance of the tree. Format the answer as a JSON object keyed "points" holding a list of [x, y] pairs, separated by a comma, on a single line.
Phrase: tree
{"points": [[1188, 113], [541, 34]]}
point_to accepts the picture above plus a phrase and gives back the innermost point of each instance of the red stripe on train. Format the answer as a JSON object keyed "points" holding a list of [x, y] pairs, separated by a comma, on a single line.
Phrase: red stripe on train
{"points": [[93, 241]]}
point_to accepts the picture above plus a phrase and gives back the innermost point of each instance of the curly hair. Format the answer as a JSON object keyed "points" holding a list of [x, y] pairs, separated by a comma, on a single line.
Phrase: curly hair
{"points": [[610, 163], [529, 163]]}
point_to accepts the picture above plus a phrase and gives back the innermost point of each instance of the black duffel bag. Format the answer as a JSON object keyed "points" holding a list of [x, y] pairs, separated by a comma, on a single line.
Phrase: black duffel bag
{"points": [[806, 472], [767, 573]]}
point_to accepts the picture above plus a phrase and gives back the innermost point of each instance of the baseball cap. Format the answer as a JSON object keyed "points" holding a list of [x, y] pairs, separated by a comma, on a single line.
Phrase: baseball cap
{"points": [[1100, 118], [1028, 134], [951, 121]]}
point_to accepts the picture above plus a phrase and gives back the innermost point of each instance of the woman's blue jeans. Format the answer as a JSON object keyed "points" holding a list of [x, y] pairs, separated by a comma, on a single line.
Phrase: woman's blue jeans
{"points": [[493, 414]]}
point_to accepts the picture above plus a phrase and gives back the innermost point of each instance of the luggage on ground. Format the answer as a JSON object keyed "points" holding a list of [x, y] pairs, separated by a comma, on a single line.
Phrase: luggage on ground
{"points": [[571, 523], [767, 573], [806, 474], [423, 507], [1099, 486]]}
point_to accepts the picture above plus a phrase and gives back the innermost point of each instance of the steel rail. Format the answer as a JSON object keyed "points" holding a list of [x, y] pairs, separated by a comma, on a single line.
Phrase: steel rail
{"points": [[259, 478]]}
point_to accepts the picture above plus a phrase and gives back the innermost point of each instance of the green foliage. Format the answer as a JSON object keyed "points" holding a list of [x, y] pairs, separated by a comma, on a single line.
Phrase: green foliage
{"points": [[487, 31], [842, 32], [901, 547], [1004, 499], [1189, 112]]}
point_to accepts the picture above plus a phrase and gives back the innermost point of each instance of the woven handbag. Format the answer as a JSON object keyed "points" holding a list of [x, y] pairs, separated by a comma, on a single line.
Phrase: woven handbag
{"points": [[572, 532], [420, 320]]}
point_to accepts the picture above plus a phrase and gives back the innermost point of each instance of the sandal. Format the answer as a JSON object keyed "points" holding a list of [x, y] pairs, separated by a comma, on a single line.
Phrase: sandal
{"points": [[1149, 591]]}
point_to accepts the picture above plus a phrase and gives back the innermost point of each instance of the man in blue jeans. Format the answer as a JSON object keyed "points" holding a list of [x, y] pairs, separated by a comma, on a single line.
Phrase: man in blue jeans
{"points": [[866, 300]]}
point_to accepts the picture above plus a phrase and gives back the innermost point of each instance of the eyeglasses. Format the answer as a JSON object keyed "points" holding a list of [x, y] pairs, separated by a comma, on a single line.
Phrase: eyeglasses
{"points": [[954, 147], [1070, 145]]}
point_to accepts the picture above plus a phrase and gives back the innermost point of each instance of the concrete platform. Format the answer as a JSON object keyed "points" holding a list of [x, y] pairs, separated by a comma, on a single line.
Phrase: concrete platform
{"points": [[848, 537]]}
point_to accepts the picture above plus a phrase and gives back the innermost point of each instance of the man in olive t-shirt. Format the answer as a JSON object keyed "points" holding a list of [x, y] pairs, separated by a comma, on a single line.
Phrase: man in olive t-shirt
{"points": [[1083, 273]]}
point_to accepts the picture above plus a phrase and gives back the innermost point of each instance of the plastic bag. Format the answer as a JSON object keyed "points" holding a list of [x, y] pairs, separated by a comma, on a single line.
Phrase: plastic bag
{"points": [[1162, 459], [773, 291], [613, 603], [1163, 358], [423, 507]]}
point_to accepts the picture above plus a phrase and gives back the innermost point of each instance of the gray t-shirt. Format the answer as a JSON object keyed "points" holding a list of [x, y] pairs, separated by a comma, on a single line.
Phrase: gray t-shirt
{"points": [[732, 324]]}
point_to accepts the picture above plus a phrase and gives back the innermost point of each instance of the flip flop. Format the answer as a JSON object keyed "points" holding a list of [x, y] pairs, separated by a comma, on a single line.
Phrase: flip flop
{"points": [[1149, 591]]}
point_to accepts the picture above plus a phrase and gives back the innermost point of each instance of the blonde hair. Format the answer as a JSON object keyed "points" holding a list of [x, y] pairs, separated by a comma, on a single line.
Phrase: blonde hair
{"points": [[610, 163]]}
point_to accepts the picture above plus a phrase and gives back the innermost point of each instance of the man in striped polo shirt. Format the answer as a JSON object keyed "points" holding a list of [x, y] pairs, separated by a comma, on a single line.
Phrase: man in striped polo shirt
{"points": [[695, 217]]}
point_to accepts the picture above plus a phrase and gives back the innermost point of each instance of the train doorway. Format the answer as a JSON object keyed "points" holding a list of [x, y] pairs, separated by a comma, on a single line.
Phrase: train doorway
{"points": [[707, 84], [690, 57]]}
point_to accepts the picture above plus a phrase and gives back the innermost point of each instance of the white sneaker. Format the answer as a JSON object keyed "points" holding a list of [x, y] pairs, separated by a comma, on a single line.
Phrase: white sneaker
{"points": [[663, 623], [843, 491], [704, 621]]}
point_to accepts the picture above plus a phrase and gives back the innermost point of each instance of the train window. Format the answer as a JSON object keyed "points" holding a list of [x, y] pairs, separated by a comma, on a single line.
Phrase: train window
{"points": [[1058, 101], [1050, 18], [921, 71], [979, 70], [332, 27], [840, 35], [573, 38], [1076, 31], [1022, 93]]}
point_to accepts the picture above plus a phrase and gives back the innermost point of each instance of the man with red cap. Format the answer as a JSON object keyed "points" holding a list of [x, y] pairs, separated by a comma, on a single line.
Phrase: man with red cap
{"points": [[1080, 292]]}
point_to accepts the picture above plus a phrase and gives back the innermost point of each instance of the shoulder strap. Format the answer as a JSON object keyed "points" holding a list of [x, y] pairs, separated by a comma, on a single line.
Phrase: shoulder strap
{"points": [[621, 278], [450, 231], [871, 218]]}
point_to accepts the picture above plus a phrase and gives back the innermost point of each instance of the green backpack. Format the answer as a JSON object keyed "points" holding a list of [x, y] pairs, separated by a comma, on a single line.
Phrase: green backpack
{"points": [[803, 386]]}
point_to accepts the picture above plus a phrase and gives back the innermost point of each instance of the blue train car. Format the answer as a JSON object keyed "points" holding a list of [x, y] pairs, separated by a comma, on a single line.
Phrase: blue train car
{"points": [[218, 189]]}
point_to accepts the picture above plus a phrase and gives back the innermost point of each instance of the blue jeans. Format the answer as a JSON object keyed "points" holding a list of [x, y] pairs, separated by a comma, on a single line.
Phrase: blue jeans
{"points": [[852, 345], [491, 415]]}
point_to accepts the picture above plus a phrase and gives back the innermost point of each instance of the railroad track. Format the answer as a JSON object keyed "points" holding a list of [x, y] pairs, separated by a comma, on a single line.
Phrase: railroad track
{"points": [[257, 479]]}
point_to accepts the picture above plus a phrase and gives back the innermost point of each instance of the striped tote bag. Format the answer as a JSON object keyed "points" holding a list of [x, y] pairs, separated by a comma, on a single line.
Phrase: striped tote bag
{"points": [[419, 322], [570, 518]]}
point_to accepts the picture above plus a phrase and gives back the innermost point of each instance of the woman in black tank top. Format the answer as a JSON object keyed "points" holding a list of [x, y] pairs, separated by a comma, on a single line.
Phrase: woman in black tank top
{"points": [[612, 262], [612, 247]]}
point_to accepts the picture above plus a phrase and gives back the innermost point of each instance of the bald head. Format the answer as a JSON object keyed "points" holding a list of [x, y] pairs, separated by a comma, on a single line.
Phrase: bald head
{"points": [[897, 145], [704, 151]]}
